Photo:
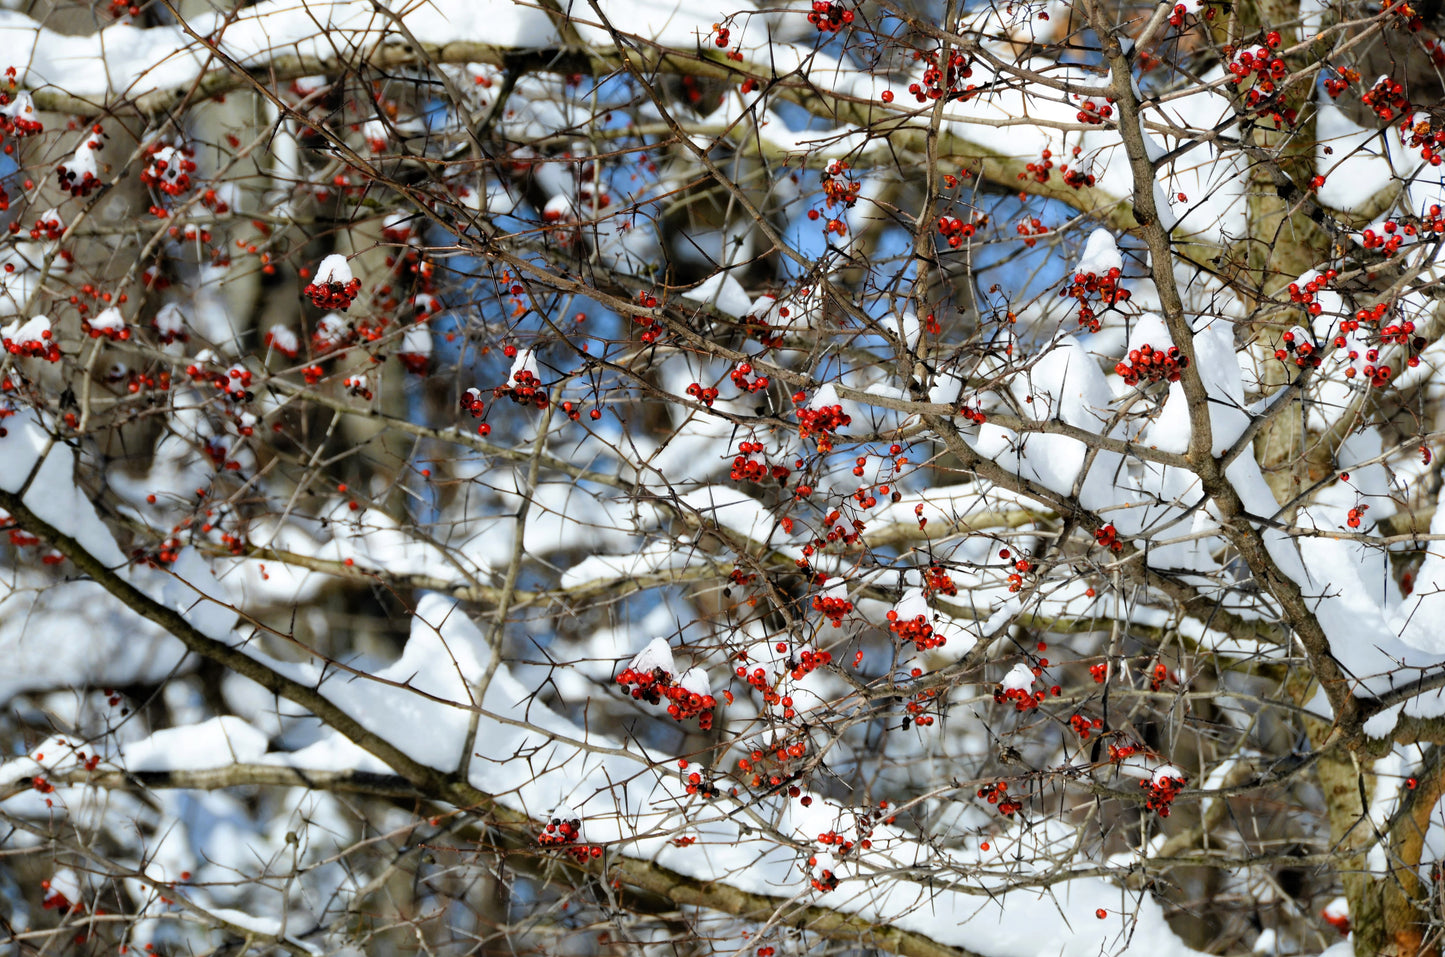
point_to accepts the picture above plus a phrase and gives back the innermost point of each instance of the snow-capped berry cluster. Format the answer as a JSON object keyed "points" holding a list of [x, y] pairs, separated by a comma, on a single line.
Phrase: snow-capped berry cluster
{"points": [[1017, 687], [917, 630], [822, 419], [108, 324], [1089, 285], [334, 286], [524, 389], [17, 116], [564, 833], [170, 324], [1386, 99], [169, 169], [32, 339], [81, 175], [829, 17], [283, 340], [1296, 347], [472, 403], [415, 350], [1147, 364], [1164, 786], [956, 230], [1306, 295], [649, 678], [833, 608], [48, 226]]}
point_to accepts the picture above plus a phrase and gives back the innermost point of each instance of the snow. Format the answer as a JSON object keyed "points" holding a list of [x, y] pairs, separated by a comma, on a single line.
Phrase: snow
{"points": [[1019, 678], [656, 654], [333, 268], [1101, 254], [108, 320]]}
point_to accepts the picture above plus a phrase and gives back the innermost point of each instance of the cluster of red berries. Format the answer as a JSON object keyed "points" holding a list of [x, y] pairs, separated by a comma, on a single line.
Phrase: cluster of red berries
{"points": [[1390, 240], [1148, 364], [1301, 351], [747, 469], [822, 422], [1267, 70], [1426, 137], [1356, 515], [917, 630], [170, 169], [18, 125], [740, 374], [472, 403], [937, 581], [1039, 172], [997, 794], [1158, 675], [723, 35], [1021, 698], [1386, 99], [49, 226], [935, 84], [833, 609], [42, 347], [915, 707], [118, 332], [829, 17], [825, 881], [525, 389], [1099, 671], [1084, 727], [1305, 295], [706, 396], [333, 295], [1022, 567], [956, 230], [772, 768], [1163, 789], [838, 189], [652, 686], [1108, 537], [1120, 752], [560, 833], [1030, 230], [1096, 114], [1337, 84], [1180, 13], [1088, 285], [699, 783], [234, 382]]}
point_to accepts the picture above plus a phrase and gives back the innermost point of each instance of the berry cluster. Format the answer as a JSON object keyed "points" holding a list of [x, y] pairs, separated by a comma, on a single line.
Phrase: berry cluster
{"points": [[1158, 675], [699, 782], [1099, 672], [1265, 70], [1108, 537], [170, 169], [33, 340], [1386, 99], [333, 295], [829, 17], [1163, 789], [1356, 515], [1022, 698], [740, 374], [935, 85], [937, 581], [1030, 230], [1337, 84], [1022, 567], [772, 768], [472, 403], [746, 469], [1305, 295], [917, 630], [564, 833], [706, 396], [1095, 114], [997, 794], [107, 325], [1295, 347], [956, 230], [652, 686], [1427, 137], [822, 422], [1084, 727], [833, 609], [1389, 240], [1148, 364], [838, 189], [79, 179], [525, 389], [915, 707], [1088, 285]]}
